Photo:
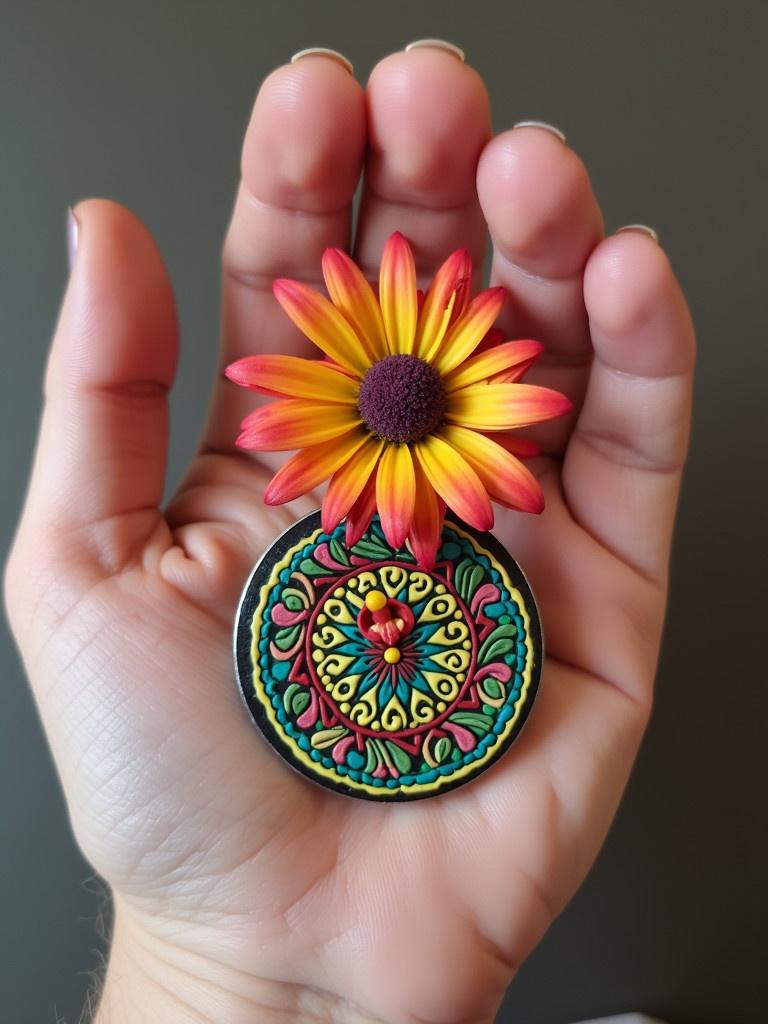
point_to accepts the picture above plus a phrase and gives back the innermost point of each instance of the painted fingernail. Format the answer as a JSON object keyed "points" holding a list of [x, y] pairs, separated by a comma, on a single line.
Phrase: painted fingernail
{"points": [[323, 51], [73, 234], [541, 124], [436, 44], [640, 227]]}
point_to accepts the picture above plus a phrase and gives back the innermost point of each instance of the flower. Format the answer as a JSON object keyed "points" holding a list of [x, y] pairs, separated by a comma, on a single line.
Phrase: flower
{"points": [[398, 414]]}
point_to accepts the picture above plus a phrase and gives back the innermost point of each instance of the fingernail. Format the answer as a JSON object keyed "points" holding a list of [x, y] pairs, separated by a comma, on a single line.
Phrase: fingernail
{"points": [[640, 227], [322, 51], [73, 234], [541, 124], [436, 44]]}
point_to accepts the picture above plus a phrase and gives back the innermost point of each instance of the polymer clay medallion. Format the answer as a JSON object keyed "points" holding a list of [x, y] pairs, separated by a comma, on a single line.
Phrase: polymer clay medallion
{"points": [[381, 679], [386, 651]]}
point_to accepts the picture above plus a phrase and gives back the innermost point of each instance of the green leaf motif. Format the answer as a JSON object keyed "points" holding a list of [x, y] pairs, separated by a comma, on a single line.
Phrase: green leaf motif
{"points": [[493, 688], [300, 702], [339, 552], [286, 637], [399, 757], [442, 749], [370, 549], [310, 568], [372, 758], [288, 696], [471, 720], [498, 643]]}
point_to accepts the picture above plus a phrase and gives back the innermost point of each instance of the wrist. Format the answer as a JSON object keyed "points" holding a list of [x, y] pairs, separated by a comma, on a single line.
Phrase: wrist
{"points": [[149, 978]]}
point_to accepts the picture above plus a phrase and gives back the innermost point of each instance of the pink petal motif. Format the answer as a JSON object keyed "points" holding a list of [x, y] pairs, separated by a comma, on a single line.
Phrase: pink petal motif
{"points": [[444, 303], [396, 493], [291, 377], [295, 423], [505, 478], [504, 406], [348, 482], [397, 294], [353, 295], [455, 481], [465, 740], [322, 323], [513, 357], [308, 468], [467, 333]]}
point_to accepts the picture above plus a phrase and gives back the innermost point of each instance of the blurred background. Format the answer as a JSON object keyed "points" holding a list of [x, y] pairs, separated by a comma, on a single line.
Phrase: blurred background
{"points": [[146, 103]]}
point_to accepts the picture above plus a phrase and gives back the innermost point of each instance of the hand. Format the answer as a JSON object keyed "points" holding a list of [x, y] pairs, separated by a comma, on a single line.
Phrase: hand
{"points": [[240, 889]]}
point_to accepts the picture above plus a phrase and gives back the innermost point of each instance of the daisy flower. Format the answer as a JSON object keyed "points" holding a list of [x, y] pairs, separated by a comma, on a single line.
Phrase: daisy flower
{"points": [[398, 415]]}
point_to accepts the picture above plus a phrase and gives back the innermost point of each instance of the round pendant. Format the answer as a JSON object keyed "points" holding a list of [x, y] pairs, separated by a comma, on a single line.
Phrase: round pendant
{"points": [[377, 678]]}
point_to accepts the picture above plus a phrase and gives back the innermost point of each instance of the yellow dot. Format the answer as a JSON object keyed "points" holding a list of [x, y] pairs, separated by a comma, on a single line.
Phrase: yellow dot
{"points": [[353, 582], [317, 656], [392, 655], [375, 725], [460, 676], [467, 645], [440, 706], [345, 707], [457, 615], [322, 619], [326, 680], [338, 592], [375, 600], [439, 589]]}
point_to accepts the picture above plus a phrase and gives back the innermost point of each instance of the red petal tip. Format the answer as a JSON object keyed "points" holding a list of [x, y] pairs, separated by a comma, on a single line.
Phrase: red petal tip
{"points": [[282, 286], [328, 522]]}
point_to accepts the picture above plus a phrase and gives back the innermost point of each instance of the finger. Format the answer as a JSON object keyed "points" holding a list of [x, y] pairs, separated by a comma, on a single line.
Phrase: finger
{"points": [[428, 119], [621, 474], [301, 161], [100, 463], [544, 221]]}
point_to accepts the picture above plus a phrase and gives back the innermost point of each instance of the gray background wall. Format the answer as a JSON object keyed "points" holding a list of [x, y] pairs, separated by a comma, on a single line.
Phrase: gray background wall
{"points": [[146, 103]]}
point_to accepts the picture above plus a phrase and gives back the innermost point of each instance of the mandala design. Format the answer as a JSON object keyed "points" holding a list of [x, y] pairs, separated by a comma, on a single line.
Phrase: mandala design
{"points": [[378, 678]]}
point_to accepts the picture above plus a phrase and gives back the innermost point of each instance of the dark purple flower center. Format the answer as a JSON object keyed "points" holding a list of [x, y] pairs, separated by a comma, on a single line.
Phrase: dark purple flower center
{"points": [[401, 399]]}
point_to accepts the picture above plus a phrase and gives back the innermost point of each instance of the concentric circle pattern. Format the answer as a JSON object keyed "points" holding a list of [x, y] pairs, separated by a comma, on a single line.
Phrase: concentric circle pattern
{"points": [[380, 679]]}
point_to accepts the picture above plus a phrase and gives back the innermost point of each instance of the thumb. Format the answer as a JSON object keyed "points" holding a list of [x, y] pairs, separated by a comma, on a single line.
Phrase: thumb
{"points": [[100, 462]]}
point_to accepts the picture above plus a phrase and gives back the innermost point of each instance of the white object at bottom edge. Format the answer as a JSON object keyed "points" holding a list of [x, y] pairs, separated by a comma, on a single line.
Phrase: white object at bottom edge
{"points": [[625, 1018]]}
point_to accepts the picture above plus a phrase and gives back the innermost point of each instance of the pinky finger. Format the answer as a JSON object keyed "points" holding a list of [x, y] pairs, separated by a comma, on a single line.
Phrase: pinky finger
{"points": [[624, 462]]}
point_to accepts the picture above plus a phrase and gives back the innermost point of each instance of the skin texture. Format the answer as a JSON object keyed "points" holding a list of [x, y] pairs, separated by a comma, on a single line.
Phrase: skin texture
{"points": [[242, 891]]}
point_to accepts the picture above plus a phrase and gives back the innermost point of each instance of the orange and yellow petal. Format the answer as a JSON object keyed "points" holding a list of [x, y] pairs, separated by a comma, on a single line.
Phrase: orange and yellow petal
{"points": [[504, 477], [396, 493], [307, 469], [291, 377], [511, 357], [353, 295], [294, 423], [322, 323], [444, 302], [426, 528], [397, 294], [455, 481], [360, 515], [348, 482], [467, 333], [504, 406]]}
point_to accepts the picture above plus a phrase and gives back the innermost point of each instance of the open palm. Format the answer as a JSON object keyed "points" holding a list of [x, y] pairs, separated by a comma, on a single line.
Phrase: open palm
{"points": [[237, 883]]}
